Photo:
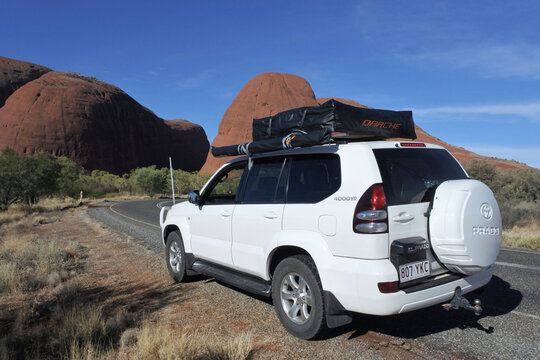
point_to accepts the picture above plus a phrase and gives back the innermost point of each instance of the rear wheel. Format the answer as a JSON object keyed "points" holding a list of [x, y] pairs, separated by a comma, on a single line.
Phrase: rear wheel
{"points": [[297, 297], [175, 256]]}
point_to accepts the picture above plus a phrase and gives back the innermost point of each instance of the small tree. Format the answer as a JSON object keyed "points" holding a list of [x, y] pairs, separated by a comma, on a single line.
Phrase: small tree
{"points": [[11, 173], [40, 177], [68, 180]]}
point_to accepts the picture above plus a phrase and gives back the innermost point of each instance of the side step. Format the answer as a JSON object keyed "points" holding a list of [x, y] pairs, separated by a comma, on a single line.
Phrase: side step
{"points": [[243, 281]]}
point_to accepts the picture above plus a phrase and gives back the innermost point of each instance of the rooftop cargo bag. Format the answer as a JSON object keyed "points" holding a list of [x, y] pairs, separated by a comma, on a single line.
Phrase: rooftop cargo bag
{"points": [[317, 125]]}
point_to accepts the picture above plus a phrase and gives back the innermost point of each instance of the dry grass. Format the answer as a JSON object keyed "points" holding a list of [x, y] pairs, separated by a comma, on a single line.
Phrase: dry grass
{"points": [[525, 236], [163, 342], [28, 262], [20, 211], [53, 316], [118, 197]]}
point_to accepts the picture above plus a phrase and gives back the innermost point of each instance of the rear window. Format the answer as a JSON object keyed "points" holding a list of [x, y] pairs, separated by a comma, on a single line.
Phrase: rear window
{"points": [[411, 175]]}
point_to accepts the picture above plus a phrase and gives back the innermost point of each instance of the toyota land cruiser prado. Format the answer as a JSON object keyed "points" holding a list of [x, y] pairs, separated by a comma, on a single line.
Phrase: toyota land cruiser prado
{"points": [[374, 227]]}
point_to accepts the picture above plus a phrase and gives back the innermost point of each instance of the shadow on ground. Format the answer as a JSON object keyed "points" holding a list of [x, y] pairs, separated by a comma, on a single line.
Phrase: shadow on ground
{"points": [[498, 298]]}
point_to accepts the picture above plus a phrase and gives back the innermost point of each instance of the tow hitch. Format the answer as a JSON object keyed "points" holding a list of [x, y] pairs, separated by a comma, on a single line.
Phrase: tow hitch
{"points": [[459, 301]]}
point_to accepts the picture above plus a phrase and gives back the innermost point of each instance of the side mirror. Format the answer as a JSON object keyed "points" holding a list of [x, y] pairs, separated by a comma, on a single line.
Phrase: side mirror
{"points": [[193, 197]]}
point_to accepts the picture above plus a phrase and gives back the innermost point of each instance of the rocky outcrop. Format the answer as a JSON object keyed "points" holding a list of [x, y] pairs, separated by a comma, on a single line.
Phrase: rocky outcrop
{"points": [[264, 95], [15, 73], [344, 101], [97, 125]]}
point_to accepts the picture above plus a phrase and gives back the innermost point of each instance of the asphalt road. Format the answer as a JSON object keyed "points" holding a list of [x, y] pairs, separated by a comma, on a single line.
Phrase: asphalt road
{"points": [[509, 327]]}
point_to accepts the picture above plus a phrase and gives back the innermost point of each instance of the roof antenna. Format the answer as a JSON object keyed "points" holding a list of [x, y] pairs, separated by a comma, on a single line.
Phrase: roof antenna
{"points": [[172, 180]]}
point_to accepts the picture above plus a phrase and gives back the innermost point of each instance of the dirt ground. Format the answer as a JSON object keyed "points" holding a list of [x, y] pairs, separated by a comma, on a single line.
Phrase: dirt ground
{"points": [[121, 275]]}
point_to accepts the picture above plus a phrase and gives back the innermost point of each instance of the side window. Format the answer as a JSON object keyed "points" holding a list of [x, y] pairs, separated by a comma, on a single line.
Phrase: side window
{"points": [[225, 189], [313, 178], [263, 180]]}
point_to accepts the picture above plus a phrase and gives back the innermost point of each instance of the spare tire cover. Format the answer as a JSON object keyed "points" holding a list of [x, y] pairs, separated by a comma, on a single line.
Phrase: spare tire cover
{"points": [[465, 226]]}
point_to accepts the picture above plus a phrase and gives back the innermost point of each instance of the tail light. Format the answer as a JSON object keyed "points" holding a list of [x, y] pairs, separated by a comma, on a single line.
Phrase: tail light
{"points": [[370, 215]]}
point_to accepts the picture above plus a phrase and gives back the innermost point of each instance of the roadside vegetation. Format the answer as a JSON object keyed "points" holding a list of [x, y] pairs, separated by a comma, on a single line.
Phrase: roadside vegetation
{"points": [[29, 182], [53, 304], [518, 195]]}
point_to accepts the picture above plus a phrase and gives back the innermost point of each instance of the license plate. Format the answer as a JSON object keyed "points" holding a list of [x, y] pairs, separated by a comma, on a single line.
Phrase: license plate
{"points": [[414, 271]]}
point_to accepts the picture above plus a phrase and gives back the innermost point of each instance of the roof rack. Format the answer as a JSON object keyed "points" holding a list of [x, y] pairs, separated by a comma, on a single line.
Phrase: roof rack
{"points": [[331, 122]]}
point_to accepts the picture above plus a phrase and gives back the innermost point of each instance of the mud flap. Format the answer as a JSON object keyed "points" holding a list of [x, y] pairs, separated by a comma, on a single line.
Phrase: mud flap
{"points": [[336, 315]]}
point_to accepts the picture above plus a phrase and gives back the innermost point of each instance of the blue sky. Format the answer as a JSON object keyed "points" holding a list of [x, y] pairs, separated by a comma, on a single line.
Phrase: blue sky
{"points": [[469, 70]]}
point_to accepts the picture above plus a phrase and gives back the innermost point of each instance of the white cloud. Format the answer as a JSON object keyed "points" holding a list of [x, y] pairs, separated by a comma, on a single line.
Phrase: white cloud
{"points": [[490, 60], [530, 111], [528, 155]]}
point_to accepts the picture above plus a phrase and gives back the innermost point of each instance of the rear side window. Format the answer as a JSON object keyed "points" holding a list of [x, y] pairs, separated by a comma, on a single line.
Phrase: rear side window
{"points": [[263, 180], [411, 175], [313, 178]]}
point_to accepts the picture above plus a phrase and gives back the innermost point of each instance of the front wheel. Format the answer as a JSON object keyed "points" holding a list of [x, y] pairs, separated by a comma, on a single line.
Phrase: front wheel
{"points": [[175, 256], [297, 297]]}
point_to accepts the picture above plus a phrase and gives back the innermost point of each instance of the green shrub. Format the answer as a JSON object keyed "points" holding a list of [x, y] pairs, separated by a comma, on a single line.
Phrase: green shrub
{"points": [[517, 191], [11, 171], [149, 180], [184, 181], [26, 179]]}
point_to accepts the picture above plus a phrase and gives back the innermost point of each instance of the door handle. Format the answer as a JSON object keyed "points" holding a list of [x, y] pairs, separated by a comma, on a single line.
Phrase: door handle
{"points": [[403, 217], [271, 215], [226, 213]]}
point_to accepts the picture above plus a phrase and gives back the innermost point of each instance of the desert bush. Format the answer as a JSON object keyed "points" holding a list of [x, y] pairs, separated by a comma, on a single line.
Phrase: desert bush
{"points": [[517, 191], [149, 180], [100, 183], [68, 184], [482, 170], [11, 171], [29, 179], [184, 181], [40, 177], [28, 262]]}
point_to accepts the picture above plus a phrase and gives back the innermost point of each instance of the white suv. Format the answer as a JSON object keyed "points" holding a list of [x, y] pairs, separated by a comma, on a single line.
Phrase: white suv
{"points": [[380, 227]]}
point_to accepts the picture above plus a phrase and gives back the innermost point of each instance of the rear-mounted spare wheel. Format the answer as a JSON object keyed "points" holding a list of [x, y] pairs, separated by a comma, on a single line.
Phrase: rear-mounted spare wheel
{"points": [[465, 226]]}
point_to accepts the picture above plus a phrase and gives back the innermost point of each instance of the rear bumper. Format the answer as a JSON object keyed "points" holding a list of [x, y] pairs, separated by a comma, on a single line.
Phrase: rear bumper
{"points": [[354, 284]]}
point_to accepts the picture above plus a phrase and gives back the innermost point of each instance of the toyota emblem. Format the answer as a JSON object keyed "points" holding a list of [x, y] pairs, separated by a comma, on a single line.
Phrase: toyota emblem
{"points": [[486, 211]]}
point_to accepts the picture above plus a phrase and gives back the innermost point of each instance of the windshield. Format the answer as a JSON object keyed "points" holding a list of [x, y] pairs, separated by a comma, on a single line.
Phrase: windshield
{"points": [[412, 175]]}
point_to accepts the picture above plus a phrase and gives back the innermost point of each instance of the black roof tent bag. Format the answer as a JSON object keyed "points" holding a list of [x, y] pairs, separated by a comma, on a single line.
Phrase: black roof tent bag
{"points": [[316, 125], [365, 123]]}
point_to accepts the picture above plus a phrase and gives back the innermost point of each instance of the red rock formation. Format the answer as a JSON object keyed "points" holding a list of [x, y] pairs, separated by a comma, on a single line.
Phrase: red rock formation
{"points": [[264, 95], [15, 73], [269, 93], [344, 101], [97, 125]]}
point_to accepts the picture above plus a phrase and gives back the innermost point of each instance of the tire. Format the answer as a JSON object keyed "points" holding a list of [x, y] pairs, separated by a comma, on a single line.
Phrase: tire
{"points": [[175, 256], [297, 297]]}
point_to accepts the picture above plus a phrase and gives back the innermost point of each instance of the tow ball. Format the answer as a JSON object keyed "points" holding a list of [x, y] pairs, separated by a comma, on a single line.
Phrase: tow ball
{"points": [[459, 301]]}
